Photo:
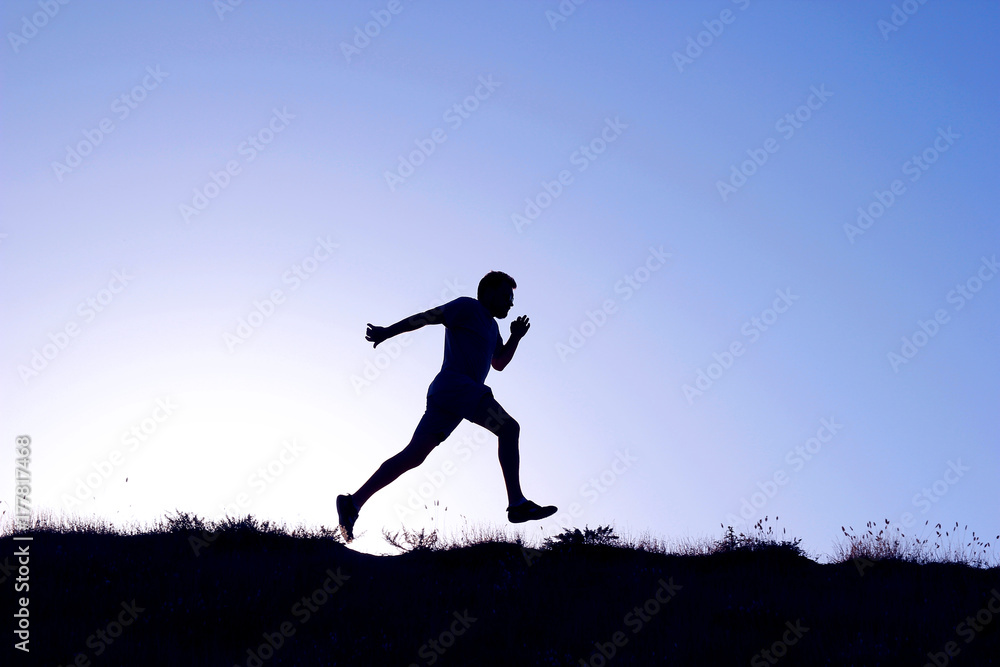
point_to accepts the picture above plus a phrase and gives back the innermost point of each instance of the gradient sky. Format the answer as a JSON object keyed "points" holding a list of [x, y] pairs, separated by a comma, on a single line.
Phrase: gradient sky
{"points": [[738, 138]]}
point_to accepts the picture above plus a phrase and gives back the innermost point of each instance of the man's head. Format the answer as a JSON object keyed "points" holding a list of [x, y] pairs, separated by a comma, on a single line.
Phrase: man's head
{"points": [[496, 293]]}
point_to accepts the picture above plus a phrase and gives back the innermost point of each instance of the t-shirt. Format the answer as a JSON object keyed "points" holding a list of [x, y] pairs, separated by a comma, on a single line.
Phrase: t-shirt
{"points": [[470, 338]]}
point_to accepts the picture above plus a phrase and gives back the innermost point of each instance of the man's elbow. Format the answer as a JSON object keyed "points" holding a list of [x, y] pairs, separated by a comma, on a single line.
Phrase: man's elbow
{"points": [[497, 366]]}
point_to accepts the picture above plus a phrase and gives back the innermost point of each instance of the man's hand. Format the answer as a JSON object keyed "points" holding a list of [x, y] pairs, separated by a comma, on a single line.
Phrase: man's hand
{"points": [[519, 327], [375, 334], [503, 354]]}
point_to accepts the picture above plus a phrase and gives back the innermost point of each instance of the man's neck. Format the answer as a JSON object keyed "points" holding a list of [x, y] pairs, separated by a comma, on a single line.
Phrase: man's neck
{"points": [[480, 302]]}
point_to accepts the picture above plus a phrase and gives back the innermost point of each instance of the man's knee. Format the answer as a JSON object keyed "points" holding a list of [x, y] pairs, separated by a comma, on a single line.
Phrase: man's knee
{"points": [[509, 427], [494, 418], [418, 450], [495, 414]]}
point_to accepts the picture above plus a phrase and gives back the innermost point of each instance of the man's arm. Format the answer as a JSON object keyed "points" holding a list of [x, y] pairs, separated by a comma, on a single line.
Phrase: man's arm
{"points": [[505, 352], [412, 323]]}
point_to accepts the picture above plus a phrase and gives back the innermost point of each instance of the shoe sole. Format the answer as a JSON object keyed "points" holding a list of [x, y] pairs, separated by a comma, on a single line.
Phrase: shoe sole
{"points": [[543, 514]]}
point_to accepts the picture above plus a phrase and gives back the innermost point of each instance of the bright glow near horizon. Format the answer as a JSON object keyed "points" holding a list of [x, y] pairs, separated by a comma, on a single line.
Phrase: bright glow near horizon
{"points": [[198, 225]]}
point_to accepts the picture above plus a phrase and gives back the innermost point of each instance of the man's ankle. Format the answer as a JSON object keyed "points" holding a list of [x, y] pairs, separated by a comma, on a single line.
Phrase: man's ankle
{"points": [[354, 501]]}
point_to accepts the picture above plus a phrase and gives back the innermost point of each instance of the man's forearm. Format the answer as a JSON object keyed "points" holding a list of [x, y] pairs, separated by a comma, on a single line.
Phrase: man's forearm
{"points": [[407, 325], [507, 352], [404, 326]]}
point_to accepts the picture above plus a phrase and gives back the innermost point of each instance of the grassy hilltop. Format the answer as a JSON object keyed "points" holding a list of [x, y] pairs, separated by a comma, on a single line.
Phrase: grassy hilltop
{"points": [[251, 594]]}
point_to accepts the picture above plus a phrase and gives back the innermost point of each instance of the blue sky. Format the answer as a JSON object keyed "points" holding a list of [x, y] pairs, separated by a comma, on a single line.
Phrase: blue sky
{"points": [[203, 208]]}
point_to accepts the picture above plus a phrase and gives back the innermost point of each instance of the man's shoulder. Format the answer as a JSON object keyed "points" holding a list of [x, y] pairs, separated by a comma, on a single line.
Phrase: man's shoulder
{"points": [[464, 303]]}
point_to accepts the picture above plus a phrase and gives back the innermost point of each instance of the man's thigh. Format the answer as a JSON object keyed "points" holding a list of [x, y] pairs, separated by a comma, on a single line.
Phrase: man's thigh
{"points": [[436, 425], [489, 414]]}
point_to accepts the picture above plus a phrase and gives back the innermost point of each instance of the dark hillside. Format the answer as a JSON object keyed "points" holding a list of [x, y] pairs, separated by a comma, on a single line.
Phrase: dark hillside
{"points": [[247, 597]]}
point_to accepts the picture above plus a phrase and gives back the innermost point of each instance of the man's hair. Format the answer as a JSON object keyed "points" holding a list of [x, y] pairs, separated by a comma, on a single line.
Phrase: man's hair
{"points": [[494, 280]]}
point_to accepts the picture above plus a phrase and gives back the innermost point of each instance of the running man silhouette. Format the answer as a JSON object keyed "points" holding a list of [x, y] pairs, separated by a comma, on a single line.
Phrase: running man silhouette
{"points": [[472, 343]]}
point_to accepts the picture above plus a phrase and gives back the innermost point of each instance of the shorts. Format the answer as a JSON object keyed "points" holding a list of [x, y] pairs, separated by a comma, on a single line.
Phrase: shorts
{"points": [[444, 413]]}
